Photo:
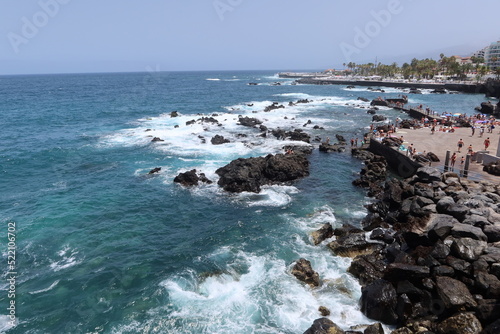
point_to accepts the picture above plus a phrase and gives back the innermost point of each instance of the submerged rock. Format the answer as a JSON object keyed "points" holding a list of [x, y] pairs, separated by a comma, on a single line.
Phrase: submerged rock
{"points": [[155, 170]]}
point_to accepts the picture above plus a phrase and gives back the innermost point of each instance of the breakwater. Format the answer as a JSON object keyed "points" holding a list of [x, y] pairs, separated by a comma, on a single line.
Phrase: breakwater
{"points": [[490, 88]]}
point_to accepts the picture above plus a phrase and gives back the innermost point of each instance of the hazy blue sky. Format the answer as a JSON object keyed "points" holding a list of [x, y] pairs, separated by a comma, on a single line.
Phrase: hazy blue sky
{"points": [[53, 36]]}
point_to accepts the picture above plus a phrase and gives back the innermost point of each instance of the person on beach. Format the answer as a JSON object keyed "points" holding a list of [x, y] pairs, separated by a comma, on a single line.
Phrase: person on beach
{"points": [[462, 161], [453, 159], [433, 129], [352, 142], [473, 128], [356, 142], [481, 131], [409, 150], [470, 150], [460, 144], [486, 143]]}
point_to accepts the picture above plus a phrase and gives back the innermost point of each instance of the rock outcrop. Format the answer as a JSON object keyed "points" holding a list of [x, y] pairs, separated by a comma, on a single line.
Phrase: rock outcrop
{"points": [[191, 178], [219, 140], [487, 108], [249, 121], [252, 173], [303, 271]]}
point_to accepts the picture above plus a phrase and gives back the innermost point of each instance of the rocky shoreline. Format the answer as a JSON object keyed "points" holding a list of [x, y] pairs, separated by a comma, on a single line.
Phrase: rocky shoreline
{"points": [[427, 256]]}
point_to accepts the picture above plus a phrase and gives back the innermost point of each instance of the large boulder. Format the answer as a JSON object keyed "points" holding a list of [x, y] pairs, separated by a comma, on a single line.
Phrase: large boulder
{"points": [[298, 135], [352, 245], [468, 249], [273, 106], [392, 141], [468, 231], [379, 102], [367, 268], [454, 293], [378, 118], [219, 140], [429, 174], [325, 232], [379, 302], [324, 326], [395, 271], [487, 108], [303, 271], [462, 323], [249, 121], [324, 147], [189, 178], [252, 173], [492, 168]]}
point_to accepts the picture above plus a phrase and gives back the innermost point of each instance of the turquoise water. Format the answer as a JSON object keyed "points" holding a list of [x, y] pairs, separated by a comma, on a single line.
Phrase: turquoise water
{"points": [[104, 248]]}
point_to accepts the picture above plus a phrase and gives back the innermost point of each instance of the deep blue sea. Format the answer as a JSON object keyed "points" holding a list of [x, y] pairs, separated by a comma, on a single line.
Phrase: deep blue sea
{"points": [[103, 247]]}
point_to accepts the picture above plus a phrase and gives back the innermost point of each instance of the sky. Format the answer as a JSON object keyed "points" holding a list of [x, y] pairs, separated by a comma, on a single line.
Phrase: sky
{"points": [[77, 36]]}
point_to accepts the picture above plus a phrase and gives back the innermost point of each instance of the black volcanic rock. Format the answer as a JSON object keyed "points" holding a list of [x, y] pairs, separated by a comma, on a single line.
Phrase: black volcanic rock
{"points": [[303, 271], [155, 170], [252, 173], [324, 326], [219, 140], [189, 178], [379, 302], [249, 121], [378, 118]]}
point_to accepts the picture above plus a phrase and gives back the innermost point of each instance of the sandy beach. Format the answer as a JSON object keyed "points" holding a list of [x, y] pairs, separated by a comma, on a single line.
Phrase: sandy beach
{"points": [[439, 142]]}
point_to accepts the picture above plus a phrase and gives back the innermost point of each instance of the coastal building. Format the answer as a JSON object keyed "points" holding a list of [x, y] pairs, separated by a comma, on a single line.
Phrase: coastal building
{"points": [[480, 53], [492, 55], [462, 60]]}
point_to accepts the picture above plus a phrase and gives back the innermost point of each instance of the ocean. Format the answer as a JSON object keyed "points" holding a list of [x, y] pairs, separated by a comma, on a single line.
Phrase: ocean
{"points": [[103, 247]]}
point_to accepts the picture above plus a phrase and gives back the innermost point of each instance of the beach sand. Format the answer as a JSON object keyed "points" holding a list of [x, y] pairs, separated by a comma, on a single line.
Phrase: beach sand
{"points": [[439, 142]]}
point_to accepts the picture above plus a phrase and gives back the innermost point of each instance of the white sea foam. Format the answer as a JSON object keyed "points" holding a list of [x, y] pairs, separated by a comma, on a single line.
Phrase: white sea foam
{"points": [[213, 79], [6, 323], [68, 258], [386, 90], [256, 293], [271, 196], [190, 144], [296, 95], [53, 285]]}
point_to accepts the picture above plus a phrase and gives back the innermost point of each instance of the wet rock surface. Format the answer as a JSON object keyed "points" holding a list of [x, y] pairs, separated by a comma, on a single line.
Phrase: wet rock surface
{"points": [[435, 266], [252, 173]]}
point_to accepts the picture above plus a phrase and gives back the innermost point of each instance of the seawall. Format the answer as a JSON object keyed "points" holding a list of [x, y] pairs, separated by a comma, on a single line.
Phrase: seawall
{"points": [[465, 88], [398, 162]]}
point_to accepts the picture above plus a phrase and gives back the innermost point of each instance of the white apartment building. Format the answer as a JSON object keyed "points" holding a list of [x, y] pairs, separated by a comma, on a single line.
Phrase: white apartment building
{"points": [[492, 55]]}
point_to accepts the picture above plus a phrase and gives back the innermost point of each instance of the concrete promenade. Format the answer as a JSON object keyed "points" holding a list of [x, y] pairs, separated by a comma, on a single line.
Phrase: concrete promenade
{"points": [[439, 142]]}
